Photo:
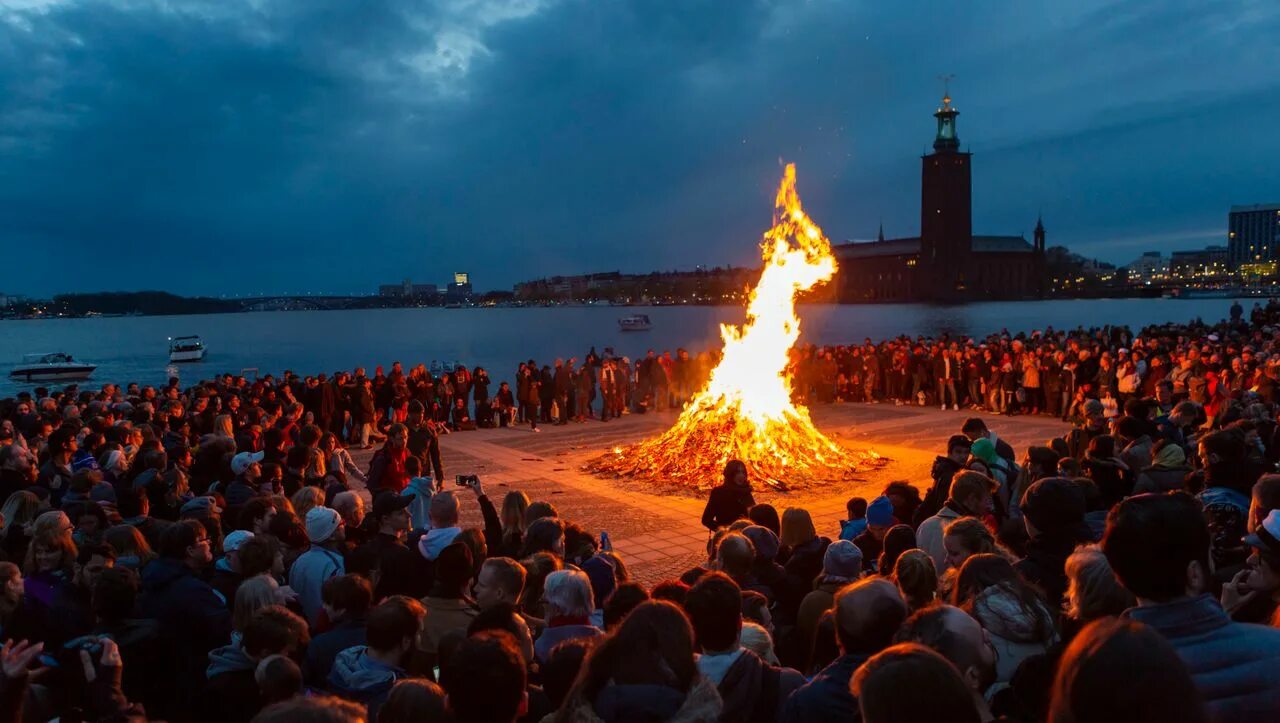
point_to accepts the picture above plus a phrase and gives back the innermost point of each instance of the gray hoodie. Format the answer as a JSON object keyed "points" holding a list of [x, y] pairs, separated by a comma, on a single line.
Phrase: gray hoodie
{"points": [[228, 659], [436, 539], [358, 677]]}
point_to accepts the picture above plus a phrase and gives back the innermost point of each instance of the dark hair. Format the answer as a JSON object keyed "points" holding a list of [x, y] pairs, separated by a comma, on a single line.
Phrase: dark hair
{"points": [[257, 555], [541, 535], [453, 568], [499, 617], [413, 700], [765, 515], [1102, 446], [928, 627], [254, 509], [351, 594], [562, 666], [987, 570], [89, 551], [958, 440], [1118, 670], [670, 590], [624, 598], [485, 678], [897, 540], [392, 620], [885, 688], [714, 606], [1267, 492], [273, 630], [974, 425], [1151, 539], [754, 605], [114, 594], [279, 678], [856, 508], [179, 536], [653, 646], [130, 502]]}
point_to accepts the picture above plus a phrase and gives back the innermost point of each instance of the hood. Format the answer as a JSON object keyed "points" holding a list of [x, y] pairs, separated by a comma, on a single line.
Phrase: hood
{"points": [[436, 539], [420, 486], [356, 674], [1001, 614], [229, 659]]}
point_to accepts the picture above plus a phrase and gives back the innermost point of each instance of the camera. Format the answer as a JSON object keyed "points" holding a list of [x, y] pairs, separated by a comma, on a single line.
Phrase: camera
{"points": [[465, 480]]}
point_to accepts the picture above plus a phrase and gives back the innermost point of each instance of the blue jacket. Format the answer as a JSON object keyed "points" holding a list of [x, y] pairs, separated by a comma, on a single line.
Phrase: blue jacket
{"points": [[309, 572], [827, 696], [1236, 666], [358, 677]]}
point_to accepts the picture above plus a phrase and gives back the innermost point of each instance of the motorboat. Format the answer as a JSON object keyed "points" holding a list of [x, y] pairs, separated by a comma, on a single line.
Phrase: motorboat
{"points": [[186, 349], [51, 367], [634, 322]]}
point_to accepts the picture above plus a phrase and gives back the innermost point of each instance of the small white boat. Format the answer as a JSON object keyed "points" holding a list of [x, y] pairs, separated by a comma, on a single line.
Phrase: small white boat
{"points": [[186, 349], [634, 322], [52, 367]]}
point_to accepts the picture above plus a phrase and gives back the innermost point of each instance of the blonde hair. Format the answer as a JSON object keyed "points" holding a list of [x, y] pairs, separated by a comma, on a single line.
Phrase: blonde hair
{"points": [[222, 425], [306, 499], [1092, 588], [257, 592], [797, 527], [514, 505], [756, 639], [20, 509]]}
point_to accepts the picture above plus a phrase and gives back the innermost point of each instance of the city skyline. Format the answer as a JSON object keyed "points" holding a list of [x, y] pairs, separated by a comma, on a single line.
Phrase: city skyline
{"points": [[224, 148]]}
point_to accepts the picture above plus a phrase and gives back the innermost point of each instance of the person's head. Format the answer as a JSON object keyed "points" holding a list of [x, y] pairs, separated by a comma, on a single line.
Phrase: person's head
{"points": [[11, 586], [253, 595], [485, 679], [561, 668], [91, 561], [766, 516], [274, 630], [278, 677], [867, 614], [974, 429], [514, 507], [670, 590], [325, 527], [621, 602], [501, 581], [897, 540], [256, 514], [453, 570], [856, 508], [397, 436], [539, 510], [346, 597], [1118, 670], [1222, 454], [443, 510], [313, 709], [1158, 546], [653, 646], [413, 700], [350, 505], [393, 626], [797, 527], [1092, 589], [567, 593], [958, 448], [114, 594], [916, 578], [735, 554], [1041, 462], [958, 637], [971, 491], [1054, 506], [884, 687], [1265, 498], [261, 554], [544, 535], [714, 606], [965, 537], [306, 499], [50, 552], [1263, 564], [735, 473], [1185, 413]]}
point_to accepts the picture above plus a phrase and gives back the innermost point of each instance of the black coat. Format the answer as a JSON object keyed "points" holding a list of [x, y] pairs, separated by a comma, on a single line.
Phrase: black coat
{"points": [[727, 504]]}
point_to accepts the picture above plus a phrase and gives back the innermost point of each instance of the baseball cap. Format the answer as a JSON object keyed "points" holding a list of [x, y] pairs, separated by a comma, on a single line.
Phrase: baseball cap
{"points": [[1267, 535], [243, 460], [387, 502], [233, 541]]}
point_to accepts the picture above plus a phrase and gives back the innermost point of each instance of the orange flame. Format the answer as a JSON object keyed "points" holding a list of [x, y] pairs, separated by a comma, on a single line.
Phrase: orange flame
{"points": [[745, 411]]}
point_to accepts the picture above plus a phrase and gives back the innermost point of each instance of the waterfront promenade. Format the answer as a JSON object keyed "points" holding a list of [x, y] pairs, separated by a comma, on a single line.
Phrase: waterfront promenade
{"points": [[660, 536]]}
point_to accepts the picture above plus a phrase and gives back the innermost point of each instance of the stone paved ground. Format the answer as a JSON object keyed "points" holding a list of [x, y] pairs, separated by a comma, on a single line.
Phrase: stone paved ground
{"points": [[660, 535]]}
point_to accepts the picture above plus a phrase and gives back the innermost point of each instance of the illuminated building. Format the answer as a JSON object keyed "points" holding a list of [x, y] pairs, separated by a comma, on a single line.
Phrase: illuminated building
{"points": [[1253, 236]]}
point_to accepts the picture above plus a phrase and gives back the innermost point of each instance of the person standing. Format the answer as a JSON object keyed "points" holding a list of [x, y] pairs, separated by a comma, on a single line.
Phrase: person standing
{"points": [[730, 501]]}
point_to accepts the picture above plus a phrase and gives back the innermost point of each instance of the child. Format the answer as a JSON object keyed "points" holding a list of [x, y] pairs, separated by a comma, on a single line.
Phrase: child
{"points": [[421, 488], [856, 507]]}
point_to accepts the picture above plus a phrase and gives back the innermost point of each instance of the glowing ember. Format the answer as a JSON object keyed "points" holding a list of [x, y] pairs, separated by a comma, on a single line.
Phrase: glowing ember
{"points": [[745, 412]]}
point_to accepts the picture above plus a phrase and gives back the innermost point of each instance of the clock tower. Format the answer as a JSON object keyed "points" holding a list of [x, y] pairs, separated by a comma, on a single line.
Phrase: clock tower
{"points": [[946, 217]]}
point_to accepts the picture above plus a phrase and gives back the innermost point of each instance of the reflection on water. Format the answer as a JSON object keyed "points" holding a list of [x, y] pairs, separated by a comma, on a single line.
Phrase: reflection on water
{"points": [[136, 348]]}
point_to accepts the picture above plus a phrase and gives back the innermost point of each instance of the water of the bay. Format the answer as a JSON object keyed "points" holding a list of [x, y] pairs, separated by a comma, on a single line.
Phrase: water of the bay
{"points": [[135, 348]]}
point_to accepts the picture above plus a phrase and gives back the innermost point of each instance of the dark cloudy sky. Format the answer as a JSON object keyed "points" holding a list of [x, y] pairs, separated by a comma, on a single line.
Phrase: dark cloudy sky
{"points": [[238, 146]]}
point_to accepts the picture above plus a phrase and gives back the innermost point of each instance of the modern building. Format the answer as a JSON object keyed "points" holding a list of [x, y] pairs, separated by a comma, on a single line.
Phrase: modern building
{"points": [[460, 290], [1253, 238], [1208, 263], [1148, 268], [946, 262], [407, 289]]}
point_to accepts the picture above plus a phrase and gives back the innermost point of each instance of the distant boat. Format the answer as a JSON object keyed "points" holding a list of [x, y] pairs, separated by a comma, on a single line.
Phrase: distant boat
{"points": [[634, 322], [186, 349], [51, 367]]}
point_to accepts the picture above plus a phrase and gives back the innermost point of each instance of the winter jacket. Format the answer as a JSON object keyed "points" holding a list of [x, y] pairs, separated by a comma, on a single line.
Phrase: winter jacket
{"points": [[193, 619], [1160, 479], [231, 693], [727, 504], [325, 647], [929, 535], [617, 703], [812, 607], [805, 561], [444, 614], [752, 690], [827, 697], [1233, 664], [309, 572], [1045, 563], [358, 677], [850, 529], [553, 636], [421, 489], [944, 468], [1016, 633], [404, 571], [1137, 454]]}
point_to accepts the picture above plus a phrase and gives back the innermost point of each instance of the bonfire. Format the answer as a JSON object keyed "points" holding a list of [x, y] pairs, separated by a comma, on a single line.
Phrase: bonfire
{"points": [[746, 410]]}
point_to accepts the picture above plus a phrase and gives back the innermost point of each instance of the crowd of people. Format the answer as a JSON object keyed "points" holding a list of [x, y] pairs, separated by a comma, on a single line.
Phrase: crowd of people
{"points": [[216, 553]]}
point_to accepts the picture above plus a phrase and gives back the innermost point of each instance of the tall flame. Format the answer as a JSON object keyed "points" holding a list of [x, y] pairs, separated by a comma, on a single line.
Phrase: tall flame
{"points": [[745, 411]]}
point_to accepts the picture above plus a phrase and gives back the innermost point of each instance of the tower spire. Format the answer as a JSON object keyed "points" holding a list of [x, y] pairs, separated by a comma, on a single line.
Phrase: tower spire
{"points": [[947, 140], [881, 236]]}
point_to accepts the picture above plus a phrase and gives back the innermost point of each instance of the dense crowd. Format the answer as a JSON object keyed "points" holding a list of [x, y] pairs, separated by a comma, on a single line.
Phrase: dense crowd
{"points": [[216, 553]]}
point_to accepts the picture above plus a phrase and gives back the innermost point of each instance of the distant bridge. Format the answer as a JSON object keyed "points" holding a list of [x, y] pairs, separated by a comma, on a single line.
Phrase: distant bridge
{"points": [[308, 303]]}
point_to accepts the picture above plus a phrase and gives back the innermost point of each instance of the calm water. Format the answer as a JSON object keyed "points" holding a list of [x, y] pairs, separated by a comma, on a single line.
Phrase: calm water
{"points": [[136, 348]]}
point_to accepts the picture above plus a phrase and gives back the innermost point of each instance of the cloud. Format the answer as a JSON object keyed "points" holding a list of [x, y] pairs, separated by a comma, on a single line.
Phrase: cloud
{"points": [[226, 146]]}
